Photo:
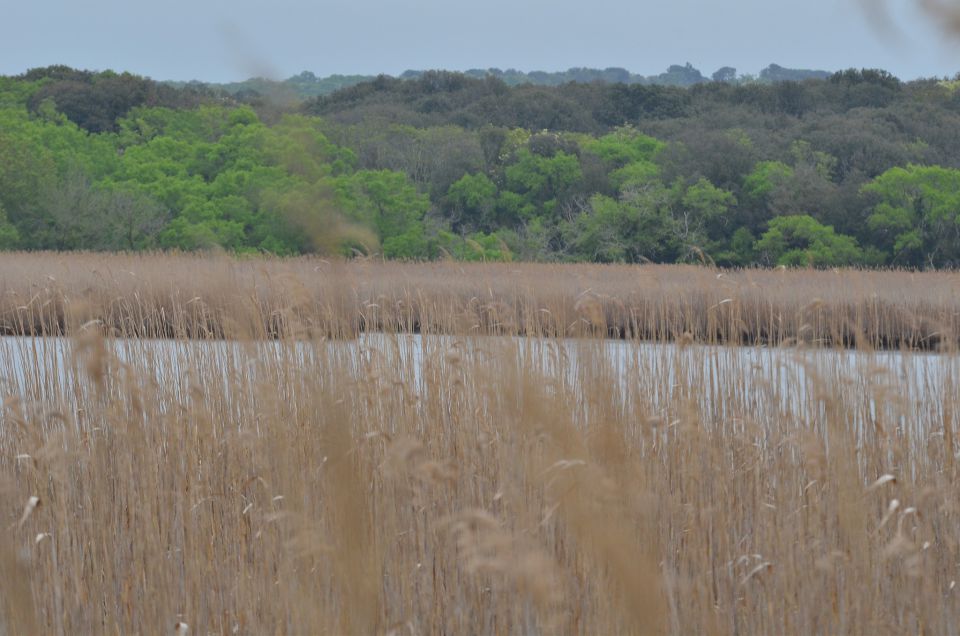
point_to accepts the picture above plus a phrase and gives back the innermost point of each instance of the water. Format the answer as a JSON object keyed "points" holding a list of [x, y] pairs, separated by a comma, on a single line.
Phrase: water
{"points": [[726, 382]]}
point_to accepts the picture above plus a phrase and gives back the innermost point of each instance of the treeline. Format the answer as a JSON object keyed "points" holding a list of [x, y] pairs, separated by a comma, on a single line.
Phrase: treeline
{"points": [[856, 169], [306, 84]]}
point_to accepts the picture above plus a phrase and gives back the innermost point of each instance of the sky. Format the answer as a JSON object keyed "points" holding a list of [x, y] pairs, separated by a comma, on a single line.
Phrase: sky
{"points": [[228, 40]]}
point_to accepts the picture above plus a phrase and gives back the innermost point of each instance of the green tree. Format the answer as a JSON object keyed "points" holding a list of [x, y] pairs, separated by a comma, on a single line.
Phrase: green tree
{"points": [[25, 172], [9, 236], [134, 220], [543, 181], [916, 217], [701, 218], [477, 247], [637, 173], [765, 177], [383, 200], [801, 241], [603, 233], [638, 227], [473, 199], [74, 215], [740, 251], [624, 146]]}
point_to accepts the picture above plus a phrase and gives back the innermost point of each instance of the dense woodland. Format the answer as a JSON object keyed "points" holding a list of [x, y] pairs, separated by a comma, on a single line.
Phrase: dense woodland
{"points": [[306, 84], [858, 168]]}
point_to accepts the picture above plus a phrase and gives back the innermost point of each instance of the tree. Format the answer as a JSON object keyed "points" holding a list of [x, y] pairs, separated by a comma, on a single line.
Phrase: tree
{"points": [[473, 199], [135, 220], [74, 216], [725, 74], [677, 75], [765, 177], [382, 200], [9, 237], [603, 233], [544, 181], [25, 171], [916, 215], [777, 73], [95, 101], [701, 219], [623, 146], [801, 241], [723, 157], [638, 227]]}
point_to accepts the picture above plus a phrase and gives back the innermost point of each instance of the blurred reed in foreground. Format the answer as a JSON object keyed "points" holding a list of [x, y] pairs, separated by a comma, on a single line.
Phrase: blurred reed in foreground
{"points": [[397, 485]]}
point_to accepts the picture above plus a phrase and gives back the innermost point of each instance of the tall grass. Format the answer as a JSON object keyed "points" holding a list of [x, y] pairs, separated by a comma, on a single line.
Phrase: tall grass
{"points": [[170, 296], [462, 484]]}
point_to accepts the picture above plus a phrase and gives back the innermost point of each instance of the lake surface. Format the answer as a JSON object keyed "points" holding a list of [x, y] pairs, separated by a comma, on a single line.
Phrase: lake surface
{"points": [[727, 382]]}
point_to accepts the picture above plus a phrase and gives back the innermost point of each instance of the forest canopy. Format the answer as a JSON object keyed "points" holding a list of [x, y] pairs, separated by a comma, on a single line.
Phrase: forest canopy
{"points": [[855, 168]]}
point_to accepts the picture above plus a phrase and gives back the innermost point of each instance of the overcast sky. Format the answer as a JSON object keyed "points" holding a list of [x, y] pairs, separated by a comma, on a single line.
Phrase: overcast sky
{"points": [[224, 40]]}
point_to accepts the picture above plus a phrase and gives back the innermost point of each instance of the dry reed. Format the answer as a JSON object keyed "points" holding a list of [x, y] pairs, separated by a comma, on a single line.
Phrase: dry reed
{"points": [[400, 484], [190, 296]]}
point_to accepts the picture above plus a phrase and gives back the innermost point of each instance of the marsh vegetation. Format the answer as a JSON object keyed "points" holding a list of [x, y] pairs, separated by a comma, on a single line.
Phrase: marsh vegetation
{"points": [[271, 465]]}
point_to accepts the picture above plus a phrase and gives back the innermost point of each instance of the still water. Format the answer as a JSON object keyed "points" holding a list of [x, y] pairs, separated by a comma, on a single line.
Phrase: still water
{"points": [[724, 381]]}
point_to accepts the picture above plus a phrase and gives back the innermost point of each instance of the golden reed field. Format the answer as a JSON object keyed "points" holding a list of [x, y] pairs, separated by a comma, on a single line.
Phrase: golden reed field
{"points": [[210, 445], [157, 296]]}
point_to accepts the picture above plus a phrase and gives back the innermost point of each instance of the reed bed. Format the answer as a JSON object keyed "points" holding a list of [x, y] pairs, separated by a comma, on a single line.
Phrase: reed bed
{"points": [[430, 485], [218, 446], [190, 296]]}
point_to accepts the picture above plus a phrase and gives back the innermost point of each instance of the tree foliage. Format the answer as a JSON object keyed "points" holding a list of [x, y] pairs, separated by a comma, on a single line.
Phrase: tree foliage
{"points": [[801, 241], [917, 214], [858, 168]]}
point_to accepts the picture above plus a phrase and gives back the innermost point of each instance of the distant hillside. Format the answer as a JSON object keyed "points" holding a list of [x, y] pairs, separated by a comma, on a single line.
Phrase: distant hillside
{"points": [[855, 169], [307, 85]]}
